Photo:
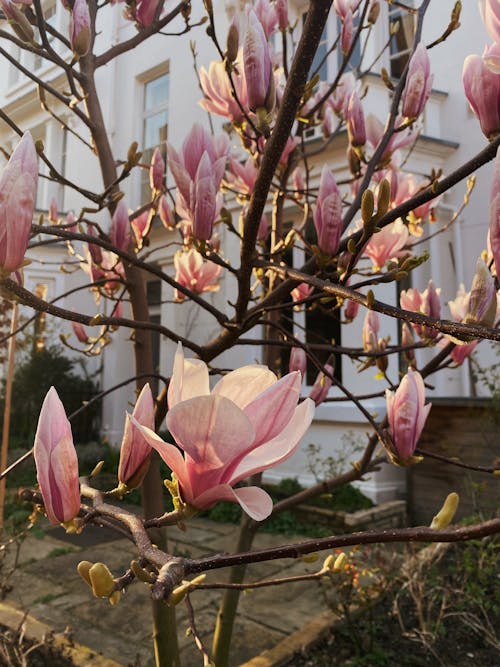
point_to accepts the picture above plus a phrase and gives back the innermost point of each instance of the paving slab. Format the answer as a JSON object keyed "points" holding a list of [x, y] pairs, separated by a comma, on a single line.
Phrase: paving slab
{"points": [[46, 583]]}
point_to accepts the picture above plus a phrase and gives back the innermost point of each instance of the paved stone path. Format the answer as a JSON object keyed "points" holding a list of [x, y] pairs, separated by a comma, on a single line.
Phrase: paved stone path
{"points": [[46, 584]]}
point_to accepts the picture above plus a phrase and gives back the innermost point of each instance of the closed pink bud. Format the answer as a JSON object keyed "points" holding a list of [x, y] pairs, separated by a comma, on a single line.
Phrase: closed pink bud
{"points": [[351, 310], [18, 21], [53, 210], [298, 360], [79, 331], [281, 7], [70, 222], [141, 225], [146, 12], [298, 182], [301, 292], [418, 84], [356, 121], [56, 461], [482, 89], [18, 184], [370, 331], [166, 213], [406, 414], [157, 170], [120, 227], [80, 35], [408, 341], [347, 32], [135, 450], [428, 303], [482, 306], [490, 12], [328, 213], [321, 385], [257, 64]]}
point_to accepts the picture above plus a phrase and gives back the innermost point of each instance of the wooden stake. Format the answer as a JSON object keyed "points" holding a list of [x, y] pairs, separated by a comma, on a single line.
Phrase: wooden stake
{"points": [[7, 409]]}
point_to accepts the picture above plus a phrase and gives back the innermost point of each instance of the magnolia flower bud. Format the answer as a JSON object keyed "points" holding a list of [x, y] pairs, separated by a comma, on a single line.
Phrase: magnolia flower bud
{"points": [[298, 360], [321, 386], [18, 21], [483, 297], [157, 171], [257, 64], [328, 213], [418, 84], [482, 89], [80, 35], [445, 515]]}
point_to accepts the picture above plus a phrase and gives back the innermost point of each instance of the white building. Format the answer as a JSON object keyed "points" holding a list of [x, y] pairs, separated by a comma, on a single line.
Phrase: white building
{"points": [[152, 92]]}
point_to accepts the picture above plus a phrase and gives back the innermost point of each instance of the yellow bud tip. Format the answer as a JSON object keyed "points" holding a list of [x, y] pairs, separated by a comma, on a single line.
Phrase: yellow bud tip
{"points": [[101, 579], [339, 562], [83, 568], [445, 515], [97, 469]]}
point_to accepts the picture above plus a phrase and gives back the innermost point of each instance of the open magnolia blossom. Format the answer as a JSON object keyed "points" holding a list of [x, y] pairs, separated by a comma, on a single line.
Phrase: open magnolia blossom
{"points": [[248, 423]]}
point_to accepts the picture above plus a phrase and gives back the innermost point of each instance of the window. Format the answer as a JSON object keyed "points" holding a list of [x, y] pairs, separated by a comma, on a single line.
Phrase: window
{"points": [[402, 40], [319, 64], [155, 126], [318, 324]]}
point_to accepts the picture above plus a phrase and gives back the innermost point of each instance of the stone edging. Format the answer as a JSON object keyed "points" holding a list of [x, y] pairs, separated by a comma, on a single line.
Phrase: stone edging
{"points": [[280, 655], [82, 656]]}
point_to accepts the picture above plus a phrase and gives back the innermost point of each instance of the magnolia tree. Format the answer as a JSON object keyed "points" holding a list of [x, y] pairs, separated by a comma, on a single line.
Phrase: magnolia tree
{"points": [[354, 235]]}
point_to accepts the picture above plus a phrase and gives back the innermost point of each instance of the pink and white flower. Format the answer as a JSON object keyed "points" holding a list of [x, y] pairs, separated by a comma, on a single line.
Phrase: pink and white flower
{"points": [[193, 272], [248, 423]]}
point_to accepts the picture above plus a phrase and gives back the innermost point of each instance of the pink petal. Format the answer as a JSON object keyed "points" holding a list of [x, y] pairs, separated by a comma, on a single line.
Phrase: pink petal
{"points": [[279, 448], [170, 454], [212, 430], [271, 411], [254, 501], [244, 384], [189, 379]]}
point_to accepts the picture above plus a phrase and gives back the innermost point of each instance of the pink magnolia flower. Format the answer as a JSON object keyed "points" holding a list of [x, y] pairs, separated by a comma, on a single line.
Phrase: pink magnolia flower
{"points": [[18, 21], [219, 97], [263, 231], [389, 243], [482, 89], [461, 352], [157, 171], [350, 310], [193, 272], [18, 183], [494, 229], [356, 121], [407, 413], [257, 65], [490, 12], [343, 7], [120, 227], [328, 213], [56, 461], [70, 221], [321, 385], [405, 188], [418, 83], [248, 423], [198, 171], [427, 303], [135, 450], [79, 32]]}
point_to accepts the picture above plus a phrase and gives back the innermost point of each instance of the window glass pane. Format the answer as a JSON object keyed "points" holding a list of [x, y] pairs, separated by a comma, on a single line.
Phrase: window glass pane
{"points": [[155, 129], [402, 41], [156, 92]]}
